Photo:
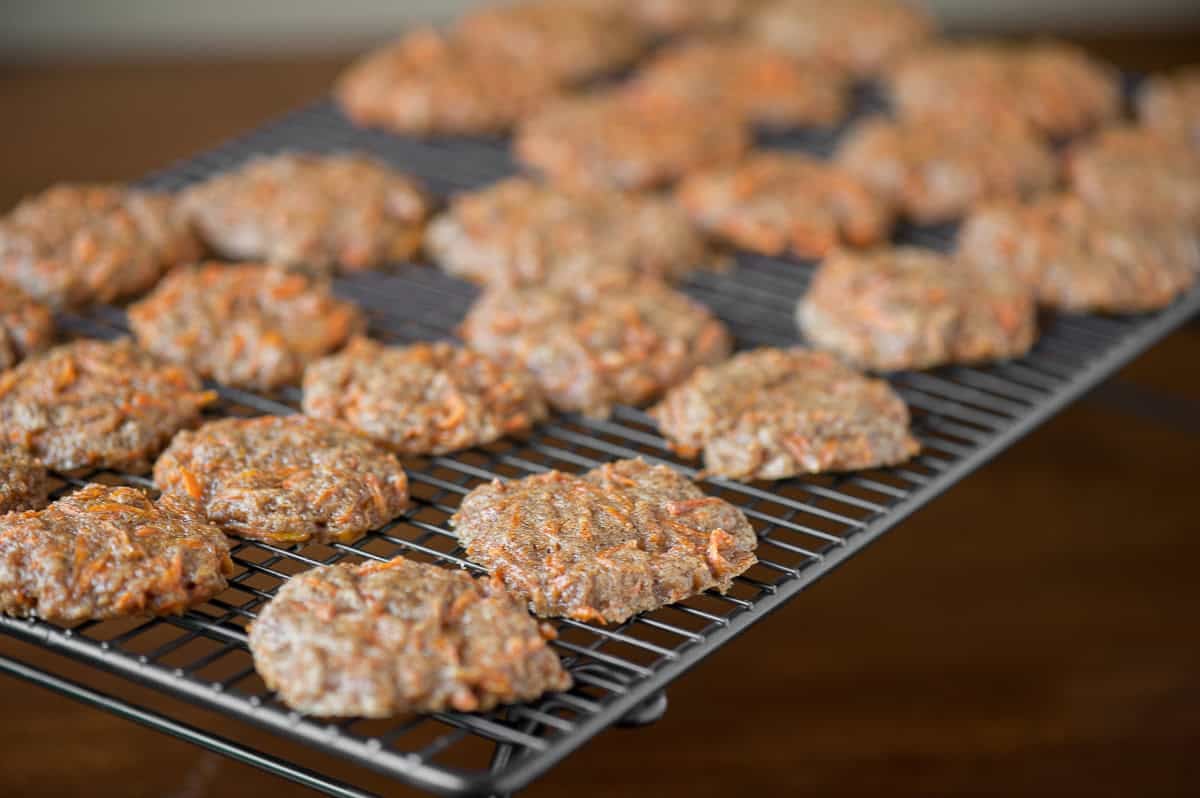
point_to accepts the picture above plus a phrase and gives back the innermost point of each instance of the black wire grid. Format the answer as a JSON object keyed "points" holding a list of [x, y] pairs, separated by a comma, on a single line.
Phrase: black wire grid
{"points": [[963, 416]]}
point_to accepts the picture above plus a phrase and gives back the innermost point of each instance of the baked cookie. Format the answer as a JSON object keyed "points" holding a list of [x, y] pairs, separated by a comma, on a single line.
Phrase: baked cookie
{"points": [[26, 326], [97, 404], [308, 210], [105, 552], [1057, 88], [571, 41], [245, 325], [908, 308], [520, 231], [78, 244], [1080, 258], [776, 413], [755, 82], [428, 83], [594, 344], [624, 538], [427, 398], [670, 17], [934, 173], [285, 480], [380, 639], [24, 483], [1139, 174], [1170, 104], [627, 139], [774, 203], [859, 37]]}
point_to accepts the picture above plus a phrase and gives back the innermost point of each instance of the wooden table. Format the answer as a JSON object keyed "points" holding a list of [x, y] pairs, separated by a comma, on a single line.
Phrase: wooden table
{"points": [[1034, 631]]}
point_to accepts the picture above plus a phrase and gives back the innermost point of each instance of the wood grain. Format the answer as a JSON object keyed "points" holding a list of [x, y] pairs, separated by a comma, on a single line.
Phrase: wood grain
{"points": [[1034, 631]]}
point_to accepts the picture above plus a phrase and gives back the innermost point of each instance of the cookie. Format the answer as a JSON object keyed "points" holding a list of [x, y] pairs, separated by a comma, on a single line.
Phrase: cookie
{"points": [[908, 308], [312, 211], [524, 232], [774, 203], [245, 325], [75, 245], [26, 326], [627, 139], [934, 173]]}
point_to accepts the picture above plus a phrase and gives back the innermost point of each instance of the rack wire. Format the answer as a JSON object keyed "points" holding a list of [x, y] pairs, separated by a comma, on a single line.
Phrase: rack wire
{"points": [[963, 416]]}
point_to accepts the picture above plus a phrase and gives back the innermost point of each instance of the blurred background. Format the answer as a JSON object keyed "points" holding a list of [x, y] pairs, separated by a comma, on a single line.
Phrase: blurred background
{"points": [[54, 29], [1032, 632]]}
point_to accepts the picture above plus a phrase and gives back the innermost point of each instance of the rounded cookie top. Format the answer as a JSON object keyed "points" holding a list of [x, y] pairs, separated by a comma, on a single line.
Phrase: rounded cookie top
{"points": [[570, 41], [777, 203], [774, 413], [747, 79], [428, 83], [428, 398], [24, 483], [285, 479], [96, 404], [105, 552], [669, 17], [1082, 259], [857, 36], [1057, 88], [1139, 174], [595, 344], [624, 538], [909, 308], [78, 244], [520, 231], [1170, 104], [936, 173], [317, 211], [380, 639], [26, 326], [246, 325], [627, 139]]}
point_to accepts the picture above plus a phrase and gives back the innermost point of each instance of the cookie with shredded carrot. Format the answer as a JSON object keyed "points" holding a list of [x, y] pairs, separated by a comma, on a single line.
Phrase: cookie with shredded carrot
{"points": [[427, 398], [671, 17], [1139, 174], [936, 173], [110, 552], [24, 482], [285, 479], [859, 37], [776, 413], [380, 639], [624, 538], [430, 83], [1170, 104], [75, 245], [570, 41], [521, 231], [593, 344], [774, 203], [1056, 88], [1081, 259], [627, 139], [908, 308], [320, 212], [97, 405], [246, 325], [26, 326], [761, 84]]}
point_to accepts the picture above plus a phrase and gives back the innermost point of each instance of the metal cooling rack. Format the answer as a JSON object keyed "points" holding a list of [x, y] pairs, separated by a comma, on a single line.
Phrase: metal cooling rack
{"points": [[963, 417]]}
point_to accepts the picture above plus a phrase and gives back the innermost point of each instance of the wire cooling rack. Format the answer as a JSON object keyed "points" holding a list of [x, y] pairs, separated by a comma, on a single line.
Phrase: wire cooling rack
{"points": [[963, 417]]}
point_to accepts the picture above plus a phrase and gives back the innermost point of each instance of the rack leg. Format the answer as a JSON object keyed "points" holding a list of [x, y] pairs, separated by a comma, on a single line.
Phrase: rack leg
{"points": [[649, 711]]}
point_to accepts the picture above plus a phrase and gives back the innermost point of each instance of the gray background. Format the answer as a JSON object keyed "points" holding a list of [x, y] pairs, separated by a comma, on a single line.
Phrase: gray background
{"points": [[66, 29]]}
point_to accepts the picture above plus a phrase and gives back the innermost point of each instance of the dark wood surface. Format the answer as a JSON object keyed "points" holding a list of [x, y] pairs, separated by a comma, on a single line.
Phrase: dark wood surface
{"points": [[1032, 632]]}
